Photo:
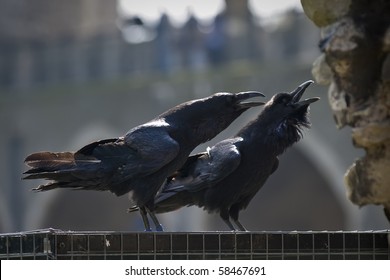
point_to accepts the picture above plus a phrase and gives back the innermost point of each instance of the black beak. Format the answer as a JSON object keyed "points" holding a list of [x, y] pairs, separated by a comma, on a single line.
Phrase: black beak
{"points": [[297, 94], [243, 96]]}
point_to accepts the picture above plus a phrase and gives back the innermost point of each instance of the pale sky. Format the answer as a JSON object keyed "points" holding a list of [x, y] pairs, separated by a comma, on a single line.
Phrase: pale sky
{"points": [[178, 10]]}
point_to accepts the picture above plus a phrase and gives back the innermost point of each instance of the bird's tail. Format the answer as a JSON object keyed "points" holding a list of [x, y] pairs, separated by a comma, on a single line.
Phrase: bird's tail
{"points": [[60, 168]]}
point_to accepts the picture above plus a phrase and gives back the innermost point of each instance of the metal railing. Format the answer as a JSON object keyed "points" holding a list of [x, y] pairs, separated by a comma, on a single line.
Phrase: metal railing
{"points": [[58, 244]]}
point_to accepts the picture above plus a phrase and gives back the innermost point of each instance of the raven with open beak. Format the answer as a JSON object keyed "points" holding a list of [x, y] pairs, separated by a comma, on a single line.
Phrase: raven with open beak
{"points": [[140, 161], [226, 177]]}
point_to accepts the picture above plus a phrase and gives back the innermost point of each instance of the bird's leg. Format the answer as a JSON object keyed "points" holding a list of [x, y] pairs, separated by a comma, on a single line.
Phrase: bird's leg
{"points": [[229, 224], [224, 214], [154, 219], [234, 213], [240, 226], [144, 216]]}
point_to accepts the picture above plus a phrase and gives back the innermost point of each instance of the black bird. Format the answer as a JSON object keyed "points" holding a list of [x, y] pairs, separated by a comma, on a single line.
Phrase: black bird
{"points": [[227, 176], [140, 161]]}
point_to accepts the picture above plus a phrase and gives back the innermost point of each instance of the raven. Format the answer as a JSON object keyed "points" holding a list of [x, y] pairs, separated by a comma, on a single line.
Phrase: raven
{"points": [[140, 161], [228, 175]]}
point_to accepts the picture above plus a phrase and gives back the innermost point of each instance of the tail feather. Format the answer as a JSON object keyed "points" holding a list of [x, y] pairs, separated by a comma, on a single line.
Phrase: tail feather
{"points": [[47, 187], [47, 165], [62, 169], [48, 159], [55, 185], [48, 175], [75, 171]]}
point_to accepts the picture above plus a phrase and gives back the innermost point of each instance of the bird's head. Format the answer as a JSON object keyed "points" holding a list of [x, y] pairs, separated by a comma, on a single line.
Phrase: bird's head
{"points": [[226, 103], [209, 116], [287, 113]]}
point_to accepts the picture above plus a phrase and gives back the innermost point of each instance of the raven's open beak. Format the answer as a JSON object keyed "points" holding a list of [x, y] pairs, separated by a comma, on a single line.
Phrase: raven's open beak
{"points": [[243, 96], [297, 94]]}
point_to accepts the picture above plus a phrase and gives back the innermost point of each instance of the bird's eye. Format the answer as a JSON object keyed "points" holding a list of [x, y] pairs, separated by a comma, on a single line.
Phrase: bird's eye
{"points": [[284, 99]]}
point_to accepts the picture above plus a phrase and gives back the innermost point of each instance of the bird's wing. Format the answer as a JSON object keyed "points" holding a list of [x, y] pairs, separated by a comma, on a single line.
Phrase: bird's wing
{"points": [[101, 159], [139, 153], [107, 149], [153, 148], [209, 168]]}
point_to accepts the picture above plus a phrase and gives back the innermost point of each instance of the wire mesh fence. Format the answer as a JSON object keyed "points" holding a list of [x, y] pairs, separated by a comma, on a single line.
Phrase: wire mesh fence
{"points": [[57, 244]]}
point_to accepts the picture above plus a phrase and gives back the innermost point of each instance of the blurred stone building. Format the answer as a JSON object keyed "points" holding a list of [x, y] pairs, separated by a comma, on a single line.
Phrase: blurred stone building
{"points": [[50, 42], [74, 71]]}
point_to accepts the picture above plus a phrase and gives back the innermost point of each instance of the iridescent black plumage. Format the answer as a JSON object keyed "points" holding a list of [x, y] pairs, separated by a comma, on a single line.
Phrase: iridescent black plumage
{"points": [[140, 161], [227, 176]]}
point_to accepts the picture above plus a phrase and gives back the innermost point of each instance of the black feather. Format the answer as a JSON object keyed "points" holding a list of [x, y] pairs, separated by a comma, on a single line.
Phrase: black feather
{"points": [[143, 158], [228, 176]]}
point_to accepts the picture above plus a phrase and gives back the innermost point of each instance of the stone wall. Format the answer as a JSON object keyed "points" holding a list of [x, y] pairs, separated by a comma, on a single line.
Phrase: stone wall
{"points": [[355, 42]]}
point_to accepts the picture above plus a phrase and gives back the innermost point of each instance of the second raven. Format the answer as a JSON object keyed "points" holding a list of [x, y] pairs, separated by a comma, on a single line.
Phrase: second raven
{"points": [[140, 161], [228, 175]]}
